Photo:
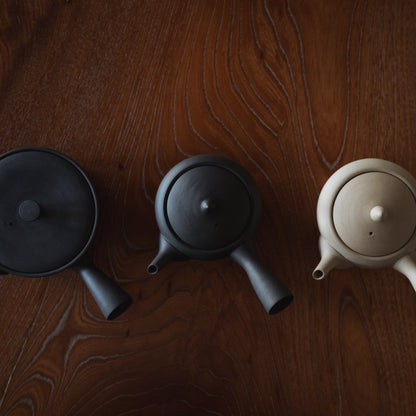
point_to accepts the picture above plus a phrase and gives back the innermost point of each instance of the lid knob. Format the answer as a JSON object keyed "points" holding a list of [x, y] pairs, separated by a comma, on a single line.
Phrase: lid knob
{"points": [[29, 210], [378, 213], [208, 205]]}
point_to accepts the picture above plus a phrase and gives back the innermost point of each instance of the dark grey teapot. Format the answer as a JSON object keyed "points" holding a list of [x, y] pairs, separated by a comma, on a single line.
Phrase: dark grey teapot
{"points": [[207, 207]]}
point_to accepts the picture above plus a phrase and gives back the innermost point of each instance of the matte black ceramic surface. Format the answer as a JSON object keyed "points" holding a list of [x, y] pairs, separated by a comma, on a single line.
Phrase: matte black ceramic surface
{"points": [[48, 215], [207, 207]]}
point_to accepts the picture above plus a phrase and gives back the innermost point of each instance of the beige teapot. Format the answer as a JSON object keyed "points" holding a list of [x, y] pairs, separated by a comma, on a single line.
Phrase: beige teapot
{"points": [[367, 217]]}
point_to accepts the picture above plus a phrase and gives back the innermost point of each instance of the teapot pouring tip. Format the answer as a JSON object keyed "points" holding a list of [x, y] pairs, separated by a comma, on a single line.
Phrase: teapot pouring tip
{"points": [[166, 254], [330, 259]]}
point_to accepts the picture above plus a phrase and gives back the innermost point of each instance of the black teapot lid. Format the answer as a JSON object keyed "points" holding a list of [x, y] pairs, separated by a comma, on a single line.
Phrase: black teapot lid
{"points": [[47, 212], [206, 206]]}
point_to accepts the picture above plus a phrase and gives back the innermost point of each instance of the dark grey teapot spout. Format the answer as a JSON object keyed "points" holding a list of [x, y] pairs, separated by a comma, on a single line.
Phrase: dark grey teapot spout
{"points": [[273, 294], [166, 254]]}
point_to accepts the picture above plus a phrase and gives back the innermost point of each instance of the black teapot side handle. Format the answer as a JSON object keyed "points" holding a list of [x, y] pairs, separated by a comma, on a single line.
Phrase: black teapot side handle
{"points": [[273, 294], [111, 299]]}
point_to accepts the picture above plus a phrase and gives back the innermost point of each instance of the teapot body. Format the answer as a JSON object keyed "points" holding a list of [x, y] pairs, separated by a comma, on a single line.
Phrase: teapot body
{"points": [[366, 215], [48, 217], [207, 207]]}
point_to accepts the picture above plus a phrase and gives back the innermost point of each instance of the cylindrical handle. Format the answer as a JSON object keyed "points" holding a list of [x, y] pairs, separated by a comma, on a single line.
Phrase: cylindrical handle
{"points": [[407, 266], [111, 299], [273, 294]]}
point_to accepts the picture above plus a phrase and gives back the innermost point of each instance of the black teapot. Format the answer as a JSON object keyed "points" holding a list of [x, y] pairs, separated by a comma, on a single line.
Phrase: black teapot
{"points": [[48, 216], [207, 207]]}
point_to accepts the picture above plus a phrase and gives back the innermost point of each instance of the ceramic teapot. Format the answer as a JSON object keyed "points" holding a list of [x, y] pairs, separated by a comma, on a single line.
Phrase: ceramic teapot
{"points": [[367, 217], [207, 207], [48, 216]]}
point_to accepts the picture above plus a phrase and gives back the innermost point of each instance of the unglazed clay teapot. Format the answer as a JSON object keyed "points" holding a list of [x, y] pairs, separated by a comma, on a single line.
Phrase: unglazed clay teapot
{"points": [[367, 217], [48, 216], [207, 207]]}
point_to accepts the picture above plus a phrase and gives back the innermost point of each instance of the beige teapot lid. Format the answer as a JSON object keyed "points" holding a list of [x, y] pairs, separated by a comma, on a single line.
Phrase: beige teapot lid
{"points": [[374, 214]]}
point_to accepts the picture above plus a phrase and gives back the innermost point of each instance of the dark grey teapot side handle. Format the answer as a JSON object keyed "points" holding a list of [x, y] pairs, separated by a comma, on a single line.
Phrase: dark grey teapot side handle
{"points": [[111, 299], [273, 294]]}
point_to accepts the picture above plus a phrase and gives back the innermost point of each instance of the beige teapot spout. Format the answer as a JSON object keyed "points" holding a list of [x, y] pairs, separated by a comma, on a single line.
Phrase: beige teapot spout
{"points": [[330, 259]]}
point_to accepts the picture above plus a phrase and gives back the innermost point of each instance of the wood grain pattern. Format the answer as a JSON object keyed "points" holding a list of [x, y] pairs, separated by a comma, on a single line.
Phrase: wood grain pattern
{"points": [[290, 89]]}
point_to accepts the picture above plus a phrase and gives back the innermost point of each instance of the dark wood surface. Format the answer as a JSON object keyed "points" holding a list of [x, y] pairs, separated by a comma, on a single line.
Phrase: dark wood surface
{"points": [[290, 89]]}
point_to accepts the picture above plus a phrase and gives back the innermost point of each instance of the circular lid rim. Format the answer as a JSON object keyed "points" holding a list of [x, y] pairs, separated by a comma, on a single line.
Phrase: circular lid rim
{"points": [[94, 225], [167, 184], [337, 230]]}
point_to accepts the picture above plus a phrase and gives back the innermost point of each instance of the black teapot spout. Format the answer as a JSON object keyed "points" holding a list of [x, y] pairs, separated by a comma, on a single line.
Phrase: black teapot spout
{"points": [[166, 254], [273, 294]]}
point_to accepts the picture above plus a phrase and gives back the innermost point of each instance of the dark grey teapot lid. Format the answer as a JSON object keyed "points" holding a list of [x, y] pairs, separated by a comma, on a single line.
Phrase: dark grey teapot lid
{"points": [[207, 205], [47, 212]]}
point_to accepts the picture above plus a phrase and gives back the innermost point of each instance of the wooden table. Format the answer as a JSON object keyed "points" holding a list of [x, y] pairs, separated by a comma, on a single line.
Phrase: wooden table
{"points": [[292, 90]]}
